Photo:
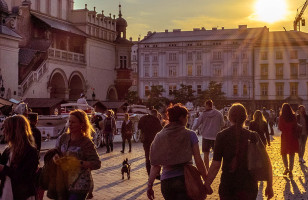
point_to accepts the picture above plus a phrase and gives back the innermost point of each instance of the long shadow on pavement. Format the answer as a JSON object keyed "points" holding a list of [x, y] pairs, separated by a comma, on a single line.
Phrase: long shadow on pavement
{"points": [[304, 183], [141, 192], [287, 191], [109, 185]]}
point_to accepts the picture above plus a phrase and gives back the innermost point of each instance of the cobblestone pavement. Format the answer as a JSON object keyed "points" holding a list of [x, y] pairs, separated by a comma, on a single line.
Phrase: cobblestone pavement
{"points": [[109, 185]]}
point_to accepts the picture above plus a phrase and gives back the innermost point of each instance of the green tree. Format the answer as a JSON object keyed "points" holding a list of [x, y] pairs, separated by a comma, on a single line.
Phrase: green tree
{"points": [[132, 97], [213, 92], [155, 98], [184, 94]]}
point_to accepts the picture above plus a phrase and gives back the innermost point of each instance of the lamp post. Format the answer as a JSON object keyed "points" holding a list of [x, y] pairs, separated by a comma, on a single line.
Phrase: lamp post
{"points": [[93, 94]]}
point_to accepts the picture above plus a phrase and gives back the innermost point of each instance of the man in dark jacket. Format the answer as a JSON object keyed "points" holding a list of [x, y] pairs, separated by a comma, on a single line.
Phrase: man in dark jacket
{"points": [[149, 126], [33, 117]]}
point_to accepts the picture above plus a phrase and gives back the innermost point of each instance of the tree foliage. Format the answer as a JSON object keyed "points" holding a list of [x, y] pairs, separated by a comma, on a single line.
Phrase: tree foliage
{"points": [[213, 92], [155, 98], [132, 97], [184, 94]]}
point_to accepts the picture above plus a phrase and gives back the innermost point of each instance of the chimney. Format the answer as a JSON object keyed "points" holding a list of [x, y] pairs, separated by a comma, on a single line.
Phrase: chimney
{"points": [[203, 28], [166, 30], [222, 28], [149, 33], [138, 39], [214, 28], [131, 39], [196, 29], [86, 6], [242, 27]]}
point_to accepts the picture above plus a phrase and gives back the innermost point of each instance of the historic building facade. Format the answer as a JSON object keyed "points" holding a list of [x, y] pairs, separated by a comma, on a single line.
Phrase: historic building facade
{"points": [[255, 66], [64, 52]]}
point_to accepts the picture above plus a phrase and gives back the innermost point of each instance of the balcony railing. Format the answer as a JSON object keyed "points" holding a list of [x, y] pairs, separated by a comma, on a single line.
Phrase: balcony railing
{"points": [[66, 56], [33, 76]]}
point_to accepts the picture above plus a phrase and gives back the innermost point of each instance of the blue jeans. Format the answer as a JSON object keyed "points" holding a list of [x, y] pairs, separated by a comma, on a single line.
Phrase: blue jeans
{"points": [[109, 141], [302, 144], [77, 196], [174, 188]]}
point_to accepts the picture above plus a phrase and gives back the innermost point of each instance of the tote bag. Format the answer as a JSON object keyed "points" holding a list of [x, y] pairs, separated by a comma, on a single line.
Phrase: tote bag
{"points": [[257, 158], [194, 186]]}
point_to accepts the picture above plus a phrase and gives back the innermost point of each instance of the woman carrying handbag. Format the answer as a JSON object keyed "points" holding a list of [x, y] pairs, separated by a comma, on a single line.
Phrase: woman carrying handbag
{"points": [[231, 146]]}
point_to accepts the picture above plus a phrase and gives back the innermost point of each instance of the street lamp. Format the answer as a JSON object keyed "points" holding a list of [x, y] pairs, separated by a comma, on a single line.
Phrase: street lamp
{"points": [[93, 94]]}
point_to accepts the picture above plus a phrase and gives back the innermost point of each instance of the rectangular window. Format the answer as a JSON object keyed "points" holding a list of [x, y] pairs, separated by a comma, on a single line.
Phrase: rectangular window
{"points": [[217, 70], [155, 58], [146, 71], [264, 89], [279, 89], [123, 62], [302, 67], [234, 55], [146, 58], [172, 56], [199, 70], [294, 89], [172, 88], [294, 70], [279, 55], [147, 90], [189, 70], [264, 71], [234, 69], [293, 54], [279, 71], [245, 91], [189, 56], [245, 69], [217, 55], [235, 90], [155, 71], [244, 55], [134, 58], [172, 71], [199, 89], [264, 55], [199, 55]]}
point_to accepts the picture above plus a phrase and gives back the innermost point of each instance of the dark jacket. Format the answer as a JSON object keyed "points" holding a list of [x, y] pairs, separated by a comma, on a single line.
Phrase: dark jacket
{"points": [[127, 129], [149, 126], [22, 175], [262, 130], [37, 137], [306, 120]]}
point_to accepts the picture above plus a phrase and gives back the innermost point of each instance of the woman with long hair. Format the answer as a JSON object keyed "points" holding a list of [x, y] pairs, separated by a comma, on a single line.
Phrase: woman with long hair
{"points": [[289, 142], [259, 125], [171, 149], [77, 143], [231, 146], [19, 161], [302, 119]]}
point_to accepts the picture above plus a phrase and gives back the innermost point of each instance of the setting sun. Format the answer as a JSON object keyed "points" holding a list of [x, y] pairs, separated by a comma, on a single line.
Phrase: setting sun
{"points": [[270, 10]]}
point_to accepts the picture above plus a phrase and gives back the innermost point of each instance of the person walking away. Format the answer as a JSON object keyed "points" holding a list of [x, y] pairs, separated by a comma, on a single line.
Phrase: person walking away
{"points": [[127, 132], [19, 161], [149, 125], [265, 114], [82, 100], [33, 117], [271, 121], [76, 147], [211, 122], [259, 125], [231, 146], [289, 142], [172, 149], [109, 130], [302, 119]]}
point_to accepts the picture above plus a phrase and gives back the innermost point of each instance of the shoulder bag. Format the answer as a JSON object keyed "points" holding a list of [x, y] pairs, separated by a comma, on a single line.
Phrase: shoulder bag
{"points": [[193, 183], [257, 158]]}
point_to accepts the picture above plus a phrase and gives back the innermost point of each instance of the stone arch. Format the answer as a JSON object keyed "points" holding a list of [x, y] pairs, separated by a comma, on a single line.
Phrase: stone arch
{"points": [[76, 85], [112, 94], [57, 84]]}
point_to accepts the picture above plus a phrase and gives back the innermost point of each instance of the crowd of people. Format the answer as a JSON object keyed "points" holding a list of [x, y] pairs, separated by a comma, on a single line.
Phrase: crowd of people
{"points": [[169, 146]]}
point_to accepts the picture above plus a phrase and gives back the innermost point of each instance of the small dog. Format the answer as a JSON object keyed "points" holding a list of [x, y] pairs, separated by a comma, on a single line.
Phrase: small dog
{"points": [[125, 169]]}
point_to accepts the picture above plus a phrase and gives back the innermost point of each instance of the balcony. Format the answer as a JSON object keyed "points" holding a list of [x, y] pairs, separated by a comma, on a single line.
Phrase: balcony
{"points": [[67, 56]]}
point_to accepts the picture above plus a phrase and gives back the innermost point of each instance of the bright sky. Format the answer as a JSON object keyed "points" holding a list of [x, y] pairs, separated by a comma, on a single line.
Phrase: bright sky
{"points": [[157, 15]]}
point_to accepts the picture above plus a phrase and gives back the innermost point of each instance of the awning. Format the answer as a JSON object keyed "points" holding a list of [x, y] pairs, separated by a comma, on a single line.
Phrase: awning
{"points": [[114, 104], [43, 102], [60, 25]]}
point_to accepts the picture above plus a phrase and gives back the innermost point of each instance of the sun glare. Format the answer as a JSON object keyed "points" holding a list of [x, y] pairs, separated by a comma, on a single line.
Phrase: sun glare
{"points": [[270, 10]]}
